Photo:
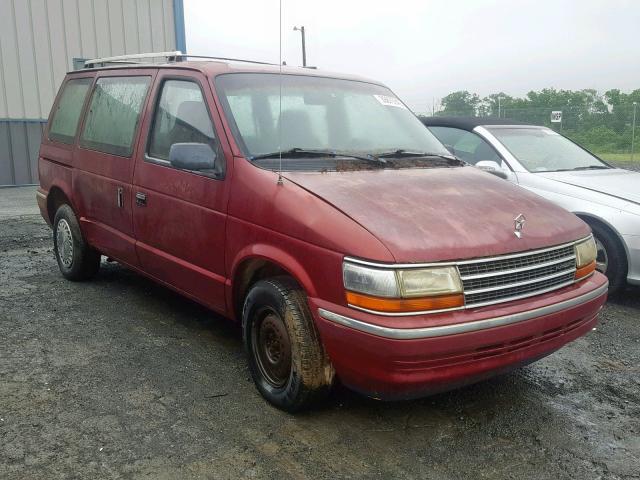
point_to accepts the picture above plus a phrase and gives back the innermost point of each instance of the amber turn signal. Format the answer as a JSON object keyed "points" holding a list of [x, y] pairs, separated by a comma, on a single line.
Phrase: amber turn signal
{"points": [[585, 271], [404, 305]]}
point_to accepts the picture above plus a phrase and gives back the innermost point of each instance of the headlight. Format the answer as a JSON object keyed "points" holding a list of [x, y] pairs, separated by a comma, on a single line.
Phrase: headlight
{"points": [[402, 291], [586, 253], [429, 281]]}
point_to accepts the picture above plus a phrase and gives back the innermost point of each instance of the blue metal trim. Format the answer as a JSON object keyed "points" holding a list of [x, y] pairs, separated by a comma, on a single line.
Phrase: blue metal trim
{"points": [[23, 120], [178, 23]]}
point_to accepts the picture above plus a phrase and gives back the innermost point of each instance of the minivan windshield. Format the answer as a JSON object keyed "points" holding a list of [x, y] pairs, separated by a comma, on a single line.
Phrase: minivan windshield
{"points": [[541, 149], [346, 119]]}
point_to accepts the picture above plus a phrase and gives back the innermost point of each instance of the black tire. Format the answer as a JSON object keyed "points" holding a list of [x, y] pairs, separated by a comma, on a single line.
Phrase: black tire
{"points": [[83, 262], [616, 270], [308, 377]]}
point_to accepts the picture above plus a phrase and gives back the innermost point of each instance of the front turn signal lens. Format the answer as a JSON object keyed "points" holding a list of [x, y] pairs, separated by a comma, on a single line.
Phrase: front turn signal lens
{"points": [[585, 271], [404, 305], [371, 281]]}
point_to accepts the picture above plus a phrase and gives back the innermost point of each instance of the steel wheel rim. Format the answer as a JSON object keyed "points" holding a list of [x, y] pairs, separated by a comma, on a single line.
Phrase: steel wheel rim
{"points": [[64, 243], [602, 258], [272, 349]]}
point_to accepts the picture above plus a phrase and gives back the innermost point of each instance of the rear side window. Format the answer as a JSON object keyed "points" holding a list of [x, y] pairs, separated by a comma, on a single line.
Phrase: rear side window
{"points": [[114, 113], [181, 116], [64, 123]]}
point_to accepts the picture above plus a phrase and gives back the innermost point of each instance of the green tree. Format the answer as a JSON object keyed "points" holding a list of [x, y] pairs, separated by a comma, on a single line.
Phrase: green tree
{"points": [[460, 103], [496, 103]]}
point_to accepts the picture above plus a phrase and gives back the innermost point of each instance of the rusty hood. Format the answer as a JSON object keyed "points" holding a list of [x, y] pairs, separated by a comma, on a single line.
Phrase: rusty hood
{"points": [[424, 215]]}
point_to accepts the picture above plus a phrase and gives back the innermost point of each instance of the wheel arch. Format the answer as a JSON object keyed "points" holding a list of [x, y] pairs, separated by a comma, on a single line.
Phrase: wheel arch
{"points": [[257, 262], [590, 218], [55, 198]]}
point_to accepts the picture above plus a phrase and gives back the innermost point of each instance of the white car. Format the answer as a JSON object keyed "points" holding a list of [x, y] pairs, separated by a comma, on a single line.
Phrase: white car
{"points": [[551, 165]]}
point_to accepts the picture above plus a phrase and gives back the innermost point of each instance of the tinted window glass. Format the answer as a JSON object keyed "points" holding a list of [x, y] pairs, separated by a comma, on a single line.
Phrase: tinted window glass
{"points": [[114, 113], [468, 146], [65, 119], [181, 117]]}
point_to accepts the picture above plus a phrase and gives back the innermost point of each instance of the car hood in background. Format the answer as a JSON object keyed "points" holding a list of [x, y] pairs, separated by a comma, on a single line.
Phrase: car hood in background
{"points": [[622, 184], [424, 215]]}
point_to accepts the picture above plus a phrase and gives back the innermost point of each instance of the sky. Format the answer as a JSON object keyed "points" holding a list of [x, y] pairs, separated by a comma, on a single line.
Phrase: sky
{"points": [[425, 49]]}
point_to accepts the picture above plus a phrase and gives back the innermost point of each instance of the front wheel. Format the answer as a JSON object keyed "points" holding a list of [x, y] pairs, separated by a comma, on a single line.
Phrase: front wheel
{"points": [[286, 358], [77, 260], [611, 258]]}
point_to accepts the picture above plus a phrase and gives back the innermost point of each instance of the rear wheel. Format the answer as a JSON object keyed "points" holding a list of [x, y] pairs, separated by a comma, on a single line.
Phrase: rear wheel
{"points": [[286, 358], [611, 258], [76, 259]]}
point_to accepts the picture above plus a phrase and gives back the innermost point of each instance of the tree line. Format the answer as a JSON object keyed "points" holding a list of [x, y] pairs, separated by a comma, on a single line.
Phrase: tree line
{"points": [[602, 123]]}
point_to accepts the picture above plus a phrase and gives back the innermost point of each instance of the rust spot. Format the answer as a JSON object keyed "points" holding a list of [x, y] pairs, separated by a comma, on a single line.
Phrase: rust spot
{"points": [[391, 163]]}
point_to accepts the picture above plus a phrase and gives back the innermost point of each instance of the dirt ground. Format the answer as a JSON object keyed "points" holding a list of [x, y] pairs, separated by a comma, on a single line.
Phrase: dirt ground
{"points": [[121, 378]]}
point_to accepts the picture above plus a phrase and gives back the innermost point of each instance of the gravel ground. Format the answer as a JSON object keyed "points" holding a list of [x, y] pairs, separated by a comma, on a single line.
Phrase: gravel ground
{"points": [[121, 378]]}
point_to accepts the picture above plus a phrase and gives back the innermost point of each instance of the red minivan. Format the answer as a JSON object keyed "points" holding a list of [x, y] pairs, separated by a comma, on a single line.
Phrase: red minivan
{"points": [[317, 210]]}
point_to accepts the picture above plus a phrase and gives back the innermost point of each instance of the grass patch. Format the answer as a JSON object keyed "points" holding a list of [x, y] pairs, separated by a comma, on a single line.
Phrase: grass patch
{"points": [[622, 160], [619, 157]]}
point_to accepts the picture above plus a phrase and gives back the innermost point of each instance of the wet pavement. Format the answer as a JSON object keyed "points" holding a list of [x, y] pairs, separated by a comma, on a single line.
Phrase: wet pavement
{"points": [[121, 378]]}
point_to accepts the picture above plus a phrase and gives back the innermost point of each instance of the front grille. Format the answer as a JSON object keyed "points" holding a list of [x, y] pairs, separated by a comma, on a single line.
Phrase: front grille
{"points": [[516, 276], [501, 264]]}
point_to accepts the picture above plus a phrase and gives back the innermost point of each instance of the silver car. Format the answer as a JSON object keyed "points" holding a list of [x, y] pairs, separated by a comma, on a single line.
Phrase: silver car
{"points": [[551, 165]]}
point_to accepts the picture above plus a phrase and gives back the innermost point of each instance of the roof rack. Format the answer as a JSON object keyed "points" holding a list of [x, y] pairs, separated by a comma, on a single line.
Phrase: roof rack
{"points": [[176, 56], [226, 59], [169, 56]]}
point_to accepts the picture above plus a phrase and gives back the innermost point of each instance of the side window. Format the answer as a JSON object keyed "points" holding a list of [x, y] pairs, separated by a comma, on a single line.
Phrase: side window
{"points": [[469, 146], [64, 122], [114, 113], [181, 116]]}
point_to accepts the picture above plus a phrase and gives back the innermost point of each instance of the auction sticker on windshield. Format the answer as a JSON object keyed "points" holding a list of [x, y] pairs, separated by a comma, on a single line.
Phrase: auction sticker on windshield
{"points": [[389, 101]]}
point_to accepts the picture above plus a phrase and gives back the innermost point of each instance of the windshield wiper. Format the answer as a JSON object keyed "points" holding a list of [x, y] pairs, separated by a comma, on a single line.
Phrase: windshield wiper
{"points": [[307, 152], [402, 153], [591, 167]]}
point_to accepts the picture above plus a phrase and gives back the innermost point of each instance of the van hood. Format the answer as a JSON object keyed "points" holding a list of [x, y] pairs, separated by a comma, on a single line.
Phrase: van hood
{"points": [[424, 215], [615, 182]]}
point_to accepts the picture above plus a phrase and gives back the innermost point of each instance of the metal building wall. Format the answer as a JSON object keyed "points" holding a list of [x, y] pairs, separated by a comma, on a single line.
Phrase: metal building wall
{"points": [[39, 40]]}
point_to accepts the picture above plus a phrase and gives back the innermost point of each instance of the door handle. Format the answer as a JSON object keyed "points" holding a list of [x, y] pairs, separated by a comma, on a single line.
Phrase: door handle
{"points": [[141, 199], [120, 197]]}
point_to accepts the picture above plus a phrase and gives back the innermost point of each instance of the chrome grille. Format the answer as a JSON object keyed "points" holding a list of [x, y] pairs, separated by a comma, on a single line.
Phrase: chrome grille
{"points": [[499, 279], [498, 264]]}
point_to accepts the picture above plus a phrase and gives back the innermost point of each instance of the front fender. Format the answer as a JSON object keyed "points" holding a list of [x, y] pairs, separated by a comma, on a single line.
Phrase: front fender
{"points": [[278, 256]]}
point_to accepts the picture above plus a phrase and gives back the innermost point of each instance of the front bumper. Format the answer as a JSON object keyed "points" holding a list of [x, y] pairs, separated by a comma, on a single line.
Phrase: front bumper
{"points": [[431, 353]]}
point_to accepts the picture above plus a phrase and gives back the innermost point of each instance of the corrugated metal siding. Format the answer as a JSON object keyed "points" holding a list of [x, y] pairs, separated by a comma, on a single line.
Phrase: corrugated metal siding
{"points": [[38, 41], [20, 141]]}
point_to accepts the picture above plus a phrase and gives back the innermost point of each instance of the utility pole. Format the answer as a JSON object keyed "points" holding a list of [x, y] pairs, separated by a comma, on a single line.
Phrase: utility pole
{"points": [[633, 130], [304, 49], [499, 106]]}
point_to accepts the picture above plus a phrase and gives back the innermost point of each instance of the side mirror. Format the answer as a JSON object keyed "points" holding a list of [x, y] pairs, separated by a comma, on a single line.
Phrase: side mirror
{"points": [[492, 167], [192, 156]]}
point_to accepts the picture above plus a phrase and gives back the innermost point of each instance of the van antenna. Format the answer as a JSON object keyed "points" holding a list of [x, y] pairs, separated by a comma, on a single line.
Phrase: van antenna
{"points": [[280, 98]]}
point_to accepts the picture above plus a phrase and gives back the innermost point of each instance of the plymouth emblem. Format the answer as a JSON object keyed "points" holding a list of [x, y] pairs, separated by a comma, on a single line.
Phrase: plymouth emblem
{"points": [[518, 224]]}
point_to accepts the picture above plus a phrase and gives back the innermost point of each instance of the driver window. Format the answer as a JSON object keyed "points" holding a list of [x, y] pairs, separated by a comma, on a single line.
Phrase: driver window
{"points": [[181, 116], [468, 146]]}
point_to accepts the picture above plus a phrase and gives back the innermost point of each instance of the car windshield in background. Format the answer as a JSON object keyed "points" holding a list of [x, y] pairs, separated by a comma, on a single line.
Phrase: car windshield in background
{"points": [[351, 121], [543, 150]]}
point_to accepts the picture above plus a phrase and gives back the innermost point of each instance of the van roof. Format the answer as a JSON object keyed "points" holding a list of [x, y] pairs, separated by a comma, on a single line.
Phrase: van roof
{"points": [[211, 67]]}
